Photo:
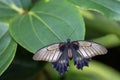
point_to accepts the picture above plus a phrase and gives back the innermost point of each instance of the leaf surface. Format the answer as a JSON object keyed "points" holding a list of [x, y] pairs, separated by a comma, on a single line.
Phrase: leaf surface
{"points": [[7, 48], [109, 8], [47, 23], [12, 8]]}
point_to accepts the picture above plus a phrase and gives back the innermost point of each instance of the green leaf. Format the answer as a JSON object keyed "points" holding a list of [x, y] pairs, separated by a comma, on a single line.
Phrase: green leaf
{"points": [[109, 8], [22, 63], [112, 40], [95, 71], [44, 25], [107, 33], [11, 8], [7, 48]]}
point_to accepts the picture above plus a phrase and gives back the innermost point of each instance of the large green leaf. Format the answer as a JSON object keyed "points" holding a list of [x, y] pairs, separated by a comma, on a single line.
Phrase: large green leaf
{"points": [[7, 48], [48, 22], [110, 8], [12, 8]]}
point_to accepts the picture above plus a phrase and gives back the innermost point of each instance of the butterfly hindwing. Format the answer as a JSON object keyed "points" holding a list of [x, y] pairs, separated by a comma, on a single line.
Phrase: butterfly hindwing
{"points": [[62, 63], [78, 59], [50, 53], [82, 51]]}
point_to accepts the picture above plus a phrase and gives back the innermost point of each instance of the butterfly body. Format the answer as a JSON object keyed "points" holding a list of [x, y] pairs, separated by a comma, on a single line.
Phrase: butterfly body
{"points": [[60, 53], [67, 46]]}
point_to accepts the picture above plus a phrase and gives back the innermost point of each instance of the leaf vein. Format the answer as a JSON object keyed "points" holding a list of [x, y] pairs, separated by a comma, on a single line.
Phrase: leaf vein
{"points": [[34, 30], [47, 26]]}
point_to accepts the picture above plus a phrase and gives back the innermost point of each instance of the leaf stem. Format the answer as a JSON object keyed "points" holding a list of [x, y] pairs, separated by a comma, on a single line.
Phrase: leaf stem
{"points": [[20, 10]]}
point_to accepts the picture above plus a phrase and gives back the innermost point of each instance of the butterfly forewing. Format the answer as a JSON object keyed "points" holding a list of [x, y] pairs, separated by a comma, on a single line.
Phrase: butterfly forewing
{"points": [[90, 49], [50, 53]]}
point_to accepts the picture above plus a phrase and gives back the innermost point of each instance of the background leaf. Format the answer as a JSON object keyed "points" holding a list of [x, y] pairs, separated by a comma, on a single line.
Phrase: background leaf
{"points": [[22, 63], [11, 8], [7, 48], [107, 33], [44, 25], [109, 8], [95, 71]]}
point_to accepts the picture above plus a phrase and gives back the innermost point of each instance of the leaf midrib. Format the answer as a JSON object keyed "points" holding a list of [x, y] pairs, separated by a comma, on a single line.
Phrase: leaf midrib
{"points": [[41, 12], [34, 30], [41, 20]]}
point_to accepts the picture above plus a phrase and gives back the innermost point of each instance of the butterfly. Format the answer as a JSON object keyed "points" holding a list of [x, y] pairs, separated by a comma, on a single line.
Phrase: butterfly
{"points": [[59, 54]]}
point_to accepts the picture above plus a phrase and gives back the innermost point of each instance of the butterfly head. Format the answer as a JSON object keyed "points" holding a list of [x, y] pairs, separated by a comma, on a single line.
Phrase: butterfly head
{"points": [[68, 40]]}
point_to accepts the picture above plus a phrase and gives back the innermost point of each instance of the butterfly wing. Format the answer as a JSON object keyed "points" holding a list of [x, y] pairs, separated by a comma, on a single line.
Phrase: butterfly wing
{"points": [[61, 65], [50, 53], [82, 51], [90, 49], [79, 61], [57, 54]]}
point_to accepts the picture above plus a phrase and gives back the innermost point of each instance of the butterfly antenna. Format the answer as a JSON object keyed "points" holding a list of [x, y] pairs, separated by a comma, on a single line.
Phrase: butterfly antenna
{"points": [[72, 33]]}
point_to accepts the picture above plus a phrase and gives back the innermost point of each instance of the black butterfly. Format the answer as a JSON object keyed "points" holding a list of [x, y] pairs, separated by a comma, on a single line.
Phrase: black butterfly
{"points": [[60, 53]]}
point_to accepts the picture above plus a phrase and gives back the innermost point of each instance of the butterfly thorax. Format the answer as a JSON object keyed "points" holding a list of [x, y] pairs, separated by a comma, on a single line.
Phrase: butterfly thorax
{"points": [[69, 46]]}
